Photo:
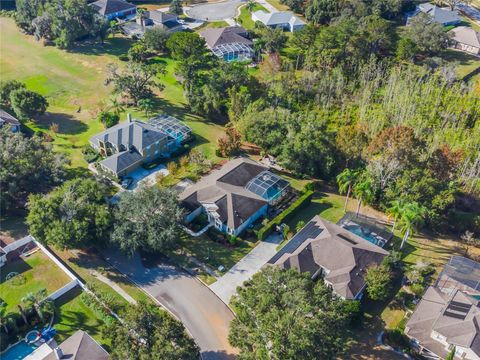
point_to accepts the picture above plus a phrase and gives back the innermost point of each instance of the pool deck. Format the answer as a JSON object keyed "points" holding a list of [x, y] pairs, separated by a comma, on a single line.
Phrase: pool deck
{"points": [[374, 227]]}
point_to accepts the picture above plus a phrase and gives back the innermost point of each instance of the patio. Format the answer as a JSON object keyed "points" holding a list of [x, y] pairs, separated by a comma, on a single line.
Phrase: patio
{"points": [[368, 228]]}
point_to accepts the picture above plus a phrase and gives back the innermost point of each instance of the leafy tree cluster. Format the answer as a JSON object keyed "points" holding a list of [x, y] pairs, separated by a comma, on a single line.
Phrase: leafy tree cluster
{"points": [[25, 103], [28, 166], [60, 21], [282, 314], [149, 333], [71, 216]]}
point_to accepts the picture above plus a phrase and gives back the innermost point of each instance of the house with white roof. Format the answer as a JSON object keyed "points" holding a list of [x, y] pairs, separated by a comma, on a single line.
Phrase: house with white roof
{"points": [[281, 19], [443, 16], [466, 39]]}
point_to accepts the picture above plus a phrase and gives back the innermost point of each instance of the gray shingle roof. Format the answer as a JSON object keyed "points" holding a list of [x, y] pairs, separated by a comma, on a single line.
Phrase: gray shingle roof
{"points": [[455, 316], [226, 189], [228, 35], [122, 160], [277, 18], [160, 16], [106, 7], [80, 346], [7, 118], [466, 35], [438, 14], [344, 255], [136, 133]]}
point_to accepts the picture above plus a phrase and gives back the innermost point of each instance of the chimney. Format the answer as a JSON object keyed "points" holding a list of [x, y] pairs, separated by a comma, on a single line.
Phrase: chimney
{"points": [[58, 353], [129, 117]]}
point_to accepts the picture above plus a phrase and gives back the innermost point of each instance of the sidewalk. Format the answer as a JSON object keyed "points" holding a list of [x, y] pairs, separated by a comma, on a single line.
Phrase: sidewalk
{"points": [[226, 286]]}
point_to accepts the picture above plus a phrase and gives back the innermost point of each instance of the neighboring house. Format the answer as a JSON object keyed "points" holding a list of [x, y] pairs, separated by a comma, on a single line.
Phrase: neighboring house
{"points": [[443, 321], [128, 145], [234, 196], [466, 39], [113, 9], [8, 120], [79, 346], [150, 19], [443, 16], [328, 251], [462, 274], [229, 43], [282, 19]]}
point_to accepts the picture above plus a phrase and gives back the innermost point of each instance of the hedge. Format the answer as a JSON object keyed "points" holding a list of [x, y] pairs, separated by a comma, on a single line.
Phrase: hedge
{"points": [[302, 202]]}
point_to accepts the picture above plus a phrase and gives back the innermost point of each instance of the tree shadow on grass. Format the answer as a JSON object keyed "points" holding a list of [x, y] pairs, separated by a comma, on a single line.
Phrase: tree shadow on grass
{"points": [[67, 124], [113, 46], [19, 266]]}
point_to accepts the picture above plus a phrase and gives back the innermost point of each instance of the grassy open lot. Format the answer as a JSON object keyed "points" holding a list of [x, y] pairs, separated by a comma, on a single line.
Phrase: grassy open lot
{"points": [[245, 17], [276, 4], [72, 315], [211, 24], [36, 272]]}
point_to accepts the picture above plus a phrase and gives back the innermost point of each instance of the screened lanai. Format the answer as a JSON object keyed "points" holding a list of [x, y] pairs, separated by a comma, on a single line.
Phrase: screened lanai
{"points": [[233, 51], [171, 127], [267, 185]]}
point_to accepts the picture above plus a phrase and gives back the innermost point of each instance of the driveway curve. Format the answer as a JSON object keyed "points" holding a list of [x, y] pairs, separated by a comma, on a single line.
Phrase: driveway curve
{"points": [[204, 315], [215, 11]]}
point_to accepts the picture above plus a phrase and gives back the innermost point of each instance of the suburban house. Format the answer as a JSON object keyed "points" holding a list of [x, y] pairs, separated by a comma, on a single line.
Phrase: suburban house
{"points": [[113, 9], [130, 144], [8, 120], [466, 39], [460, 273], [442, 322], [282, 19], [443, 16], [150, 19], [229, 43], [328, 251], [80, 346], [234, 196]]}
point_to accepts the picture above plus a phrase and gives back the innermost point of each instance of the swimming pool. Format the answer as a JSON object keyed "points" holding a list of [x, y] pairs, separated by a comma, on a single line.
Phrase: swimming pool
{"points": [[358, 230], [18, 351]]}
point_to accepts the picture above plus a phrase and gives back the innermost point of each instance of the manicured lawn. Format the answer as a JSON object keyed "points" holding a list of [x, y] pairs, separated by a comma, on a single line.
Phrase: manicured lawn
{"points": [[211, 24], [276, 4], [36, 272], [73, 314], [466, 63], [245, 17]]}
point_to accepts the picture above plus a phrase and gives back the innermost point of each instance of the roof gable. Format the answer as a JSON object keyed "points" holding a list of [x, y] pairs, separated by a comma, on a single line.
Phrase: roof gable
{"points": [[107, 7]]}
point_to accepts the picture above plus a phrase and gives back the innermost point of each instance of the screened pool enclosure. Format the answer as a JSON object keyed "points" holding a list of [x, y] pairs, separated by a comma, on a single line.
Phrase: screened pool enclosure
{"points": [[234, 51], [267, 185], [172, 127]]}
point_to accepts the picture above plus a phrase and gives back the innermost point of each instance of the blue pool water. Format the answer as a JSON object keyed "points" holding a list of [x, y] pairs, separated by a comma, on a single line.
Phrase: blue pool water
{"points": [[357, 230], [18, 351]]}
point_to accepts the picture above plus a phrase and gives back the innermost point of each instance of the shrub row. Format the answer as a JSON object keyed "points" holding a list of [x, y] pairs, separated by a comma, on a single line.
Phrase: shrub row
{"points": [[302, 202]]}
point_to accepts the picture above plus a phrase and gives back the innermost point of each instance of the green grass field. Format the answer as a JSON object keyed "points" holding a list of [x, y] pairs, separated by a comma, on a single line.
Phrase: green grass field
{"points": [[245, 17], [36, 272]]}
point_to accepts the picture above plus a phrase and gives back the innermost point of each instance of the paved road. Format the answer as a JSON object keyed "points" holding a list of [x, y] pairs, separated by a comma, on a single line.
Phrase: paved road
{"points": [[470, 10], [205, 316], [216, 11], [226, 286]]}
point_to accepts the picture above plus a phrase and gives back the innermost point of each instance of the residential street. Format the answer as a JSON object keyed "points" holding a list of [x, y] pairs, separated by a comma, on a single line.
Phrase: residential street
{"points": [[226, 286], [205, 316]]}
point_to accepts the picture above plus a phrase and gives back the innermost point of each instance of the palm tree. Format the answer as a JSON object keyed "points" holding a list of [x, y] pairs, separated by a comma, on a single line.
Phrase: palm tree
{"points": [[345, 180], [141, 16], [395, 211], [146, 105], [250, 5], [411, 218], [116, 106], [3, 311], [34, 300], [363, 191]]}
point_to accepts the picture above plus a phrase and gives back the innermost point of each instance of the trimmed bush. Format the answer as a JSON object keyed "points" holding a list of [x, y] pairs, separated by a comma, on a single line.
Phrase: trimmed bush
{"points": [[300, 203]]}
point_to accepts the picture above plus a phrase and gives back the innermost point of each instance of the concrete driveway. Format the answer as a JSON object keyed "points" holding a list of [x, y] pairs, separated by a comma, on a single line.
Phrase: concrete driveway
{"points": [[227, 285], [216, 11], [204, 315]]}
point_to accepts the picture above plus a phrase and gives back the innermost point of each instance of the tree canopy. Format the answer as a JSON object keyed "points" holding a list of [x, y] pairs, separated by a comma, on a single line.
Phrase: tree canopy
{"points": [[282, 314], [147, 219], [70, 216], [149, 333]]}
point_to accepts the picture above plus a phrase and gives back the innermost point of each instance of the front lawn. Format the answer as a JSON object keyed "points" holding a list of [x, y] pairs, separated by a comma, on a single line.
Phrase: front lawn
{"points": [[36, 272], [245, 17]]}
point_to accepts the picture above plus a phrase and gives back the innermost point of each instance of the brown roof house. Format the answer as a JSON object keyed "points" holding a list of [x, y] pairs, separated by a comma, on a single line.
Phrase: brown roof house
{"points": [[79, 346], [443, 321], [466, 39], [327, 250], [234, 196], [229, 43]]}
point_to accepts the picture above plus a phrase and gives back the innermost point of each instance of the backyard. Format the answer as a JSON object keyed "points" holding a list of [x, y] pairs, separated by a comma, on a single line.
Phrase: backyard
{"points": [[35, 272]]}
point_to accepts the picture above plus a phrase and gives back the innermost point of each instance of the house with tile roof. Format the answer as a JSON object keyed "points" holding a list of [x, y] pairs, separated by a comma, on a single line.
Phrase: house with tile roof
{"points": [[442, 322], [234, 196], [113, 9], [128, 145], [229, 43], [326, 250], [466, 39], [279, 19]]}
